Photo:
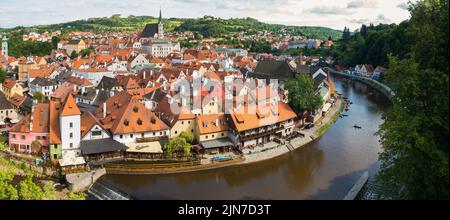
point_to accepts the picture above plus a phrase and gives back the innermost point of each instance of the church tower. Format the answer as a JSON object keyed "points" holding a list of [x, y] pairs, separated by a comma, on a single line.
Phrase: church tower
{"points": [[5, 46], [160, 26]]}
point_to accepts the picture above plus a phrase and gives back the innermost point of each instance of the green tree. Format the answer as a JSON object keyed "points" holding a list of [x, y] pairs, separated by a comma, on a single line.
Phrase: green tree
{"points": [[414, 134], [73, 55], [178, 146], [28, 190], [7, 191], [188, 137], [301, 94], [2, 75], [39, 97]]}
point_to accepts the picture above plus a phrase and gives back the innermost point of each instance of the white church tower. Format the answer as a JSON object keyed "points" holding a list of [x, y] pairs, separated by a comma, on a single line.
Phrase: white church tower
{"points": [[5, 46], [160, 26]]}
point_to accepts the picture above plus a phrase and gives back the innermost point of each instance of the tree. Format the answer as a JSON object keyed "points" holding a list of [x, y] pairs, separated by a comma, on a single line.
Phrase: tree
{"points": [[177, 145], [73, 55], [28, 190], [55, 41], [188, 137], [2, 75], [39, 97], [414, 134], [7, 191], [301, 94]]}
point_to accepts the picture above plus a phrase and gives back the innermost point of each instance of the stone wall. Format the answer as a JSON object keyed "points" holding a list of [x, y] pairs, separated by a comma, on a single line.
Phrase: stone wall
{"points": [[79, 182]]}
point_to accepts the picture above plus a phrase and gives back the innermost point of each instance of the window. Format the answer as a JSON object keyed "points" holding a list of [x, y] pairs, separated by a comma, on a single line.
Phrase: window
{"points": [[55, 156], [206, 137], [121, 136], [71, 135], [212, 136], [14, 136], [22, 137], [223, 134], [192, 130], [71, 125], [176, 132], [96, 133], [142, 135], [182, 122], [55, 146], [131, 135], [71, 145]]}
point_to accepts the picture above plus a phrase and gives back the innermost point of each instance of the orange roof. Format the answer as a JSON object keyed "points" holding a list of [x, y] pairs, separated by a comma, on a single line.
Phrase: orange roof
{"points": [[88, 120], [55, 132], [9, 83], [125, 114], [41, 72], [164, 111], [16, 100], [212, 123], [40, 120], [70, 107], [65, 89], [79, 81], [245, 118]]}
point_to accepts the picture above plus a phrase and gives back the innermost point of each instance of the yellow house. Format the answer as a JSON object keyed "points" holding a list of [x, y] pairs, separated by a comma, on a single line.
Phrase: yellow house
{"points": [[11, 87], [179, 120], [211, 127], [23, 66], [75, 45]]}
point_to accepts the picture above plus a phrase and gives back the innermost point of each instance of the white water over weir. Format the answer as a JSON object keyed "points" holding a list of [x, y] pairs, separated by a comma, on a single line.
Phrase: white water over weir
{"points": [[103, 191]]}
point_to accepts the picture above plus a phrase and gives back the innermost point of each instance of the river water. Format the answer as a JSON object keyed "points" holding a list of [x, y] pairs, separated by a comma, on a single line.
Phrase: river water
{"points": [[324, 169]]}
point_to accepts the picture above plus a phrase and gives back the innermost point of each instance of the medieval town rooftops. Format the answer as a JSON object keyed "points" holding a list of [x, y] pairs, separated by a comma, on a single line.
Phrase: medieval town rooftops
{"points": [[4, 104], [273, 69], [70, 107], [212, 123], [39, 122], [9, 83], [246, 119], [125, 114]]}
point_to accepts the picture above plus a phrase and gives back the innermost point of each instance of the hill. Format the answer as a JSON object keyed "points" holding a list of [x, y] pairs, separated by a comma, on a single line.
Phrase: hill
{"points": [[207, 26]]}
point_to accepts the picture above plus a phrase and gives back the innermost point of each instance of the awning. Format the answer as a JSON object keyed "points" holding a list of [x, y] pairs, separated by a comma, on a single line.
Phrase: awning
{"points": [[223, 142], [326, 107], [98, 146]]}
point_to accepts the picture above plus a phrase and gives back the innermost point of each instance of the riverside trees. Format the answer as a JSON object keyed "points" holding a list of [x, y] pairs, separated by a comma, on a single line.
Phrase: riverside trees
{"points": [[414, 134]]}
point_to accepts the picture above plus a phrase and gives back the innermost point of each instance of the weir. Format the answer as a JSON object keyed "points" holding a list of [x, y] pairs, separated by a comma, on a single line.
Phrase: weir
{"points": [[103, 191]]}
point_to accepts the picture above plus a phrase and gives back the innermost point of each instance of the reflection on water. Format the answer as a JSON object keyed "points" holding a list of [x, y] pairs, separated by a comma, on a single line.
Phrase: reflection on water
{"points": [[324, 169]]}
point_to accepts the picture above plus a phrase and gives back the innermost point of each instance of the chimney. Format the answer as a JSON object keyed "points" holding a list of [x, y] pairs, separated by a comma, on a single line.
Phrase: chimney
{"points": [[104, 109], [145, 73], [74, 88], [32, 114]]}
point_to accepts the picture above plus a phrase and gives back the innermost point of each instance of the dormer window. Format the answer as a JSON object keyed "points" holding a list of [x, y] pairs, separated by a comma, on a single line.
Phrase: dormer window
{"points": [[126, 122]]}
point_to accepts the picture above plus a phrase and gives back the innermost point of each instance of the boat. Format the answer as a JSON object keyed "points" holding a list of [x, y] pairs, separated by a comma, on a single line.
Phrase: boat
{"points": [[222, 158], [357, 126]]}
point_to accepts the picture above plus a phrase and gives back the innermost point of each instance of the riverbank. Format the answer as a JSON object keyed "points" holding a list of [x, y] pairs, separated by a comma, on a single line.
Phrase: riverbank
{"points": [[46, 184], [258, 154]]}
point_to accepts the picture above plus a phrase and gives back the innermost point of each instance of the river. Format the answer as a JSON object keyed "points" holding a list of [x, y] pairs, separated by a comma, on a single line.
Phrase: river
{"points": [[324, 169]]}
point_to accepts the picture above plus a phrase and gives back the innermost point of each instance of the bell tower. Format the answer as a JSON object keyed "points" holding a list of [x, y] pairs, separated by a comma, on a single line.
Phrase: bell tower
{"points": [[5, 46], [160, 26]]}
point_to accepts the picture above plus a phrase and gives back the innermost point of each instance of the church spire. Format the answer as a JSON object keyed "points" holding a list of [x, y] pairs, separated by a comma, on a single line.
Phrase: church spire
{"points": [[160, 15]]}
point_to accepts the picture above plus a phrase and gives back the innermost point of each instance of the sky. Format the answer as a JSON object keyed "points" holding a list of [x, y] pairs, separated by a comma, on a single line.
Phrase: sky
{"points": [[335, 14]]}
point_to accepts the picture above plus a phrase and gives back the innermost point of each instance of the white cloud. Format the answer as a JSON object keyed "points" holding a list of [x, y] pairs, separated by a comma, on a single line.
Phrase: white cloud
{"points": [[329, 13], [362, 4], [328, 10]]}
